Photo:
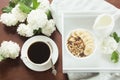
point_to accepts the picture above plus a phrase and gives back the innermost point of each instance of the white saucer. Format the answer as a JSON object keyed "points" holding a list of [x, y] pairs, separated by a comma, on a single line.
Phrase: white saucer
{"points": [[33, 66]]}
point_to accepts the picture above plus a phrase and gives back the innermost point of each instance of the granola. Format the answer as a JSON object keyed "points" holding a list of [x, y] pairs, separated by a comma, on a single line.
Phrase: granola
{"points": [[80, 43]]}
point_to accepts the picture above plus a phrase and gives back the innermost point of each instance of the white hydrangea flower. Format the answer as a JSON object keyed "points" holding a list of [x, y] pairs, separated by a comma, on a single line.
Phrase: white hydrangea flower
{"points": [[25, 30], [49, 28], [21, 16], [109, 45], [44, 5], [37, 19], [9, 49], [8, 19]]}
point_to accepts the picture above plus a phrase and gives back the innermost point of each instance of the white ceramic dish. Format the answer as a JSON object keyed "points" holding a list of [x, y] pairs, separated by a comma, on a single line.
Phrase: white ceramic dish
{"points": [[36, 67], [98, 61], [92, 35]]}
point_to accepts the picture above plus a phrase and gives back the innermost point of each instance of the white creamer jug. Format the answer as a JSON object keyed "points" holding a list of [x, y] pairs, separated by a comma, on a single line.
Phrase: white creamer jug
{"points": [[105, 23]]}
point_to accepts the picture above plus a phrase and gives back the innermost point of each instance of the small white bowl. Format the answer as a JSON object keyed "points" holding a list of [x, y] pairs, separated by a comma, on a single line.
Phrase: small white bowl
{"points": [[76, 56]]}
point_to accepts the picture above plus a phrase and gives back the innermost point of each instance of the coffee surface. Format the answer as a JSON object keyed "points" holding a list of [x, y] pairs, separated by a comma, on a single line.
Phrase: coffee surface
{"points": [[39, 52]]}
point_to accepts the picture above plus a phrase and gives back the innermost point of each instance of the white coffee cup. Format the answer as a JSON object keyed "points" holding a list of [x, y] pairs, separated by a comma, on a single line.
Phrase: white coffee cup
{"points": [[42, 66], [41, 51]]}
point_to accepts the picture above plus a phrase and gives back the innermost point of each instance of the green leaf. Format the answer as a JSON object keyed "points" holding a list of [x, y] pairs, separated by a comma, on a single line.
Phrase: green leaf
{"points": [[37, 31], [115, 56], [116, 37], [12, 4], [26, 2], [24, 8], [15, 1], [6, 9], [49, 16], [35, 4]]}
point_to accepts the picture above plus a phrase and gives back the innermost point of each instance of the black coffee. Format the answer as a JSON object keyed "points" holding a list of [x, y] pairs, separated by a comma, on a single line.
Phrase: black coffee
{"points": [[39, 52]]}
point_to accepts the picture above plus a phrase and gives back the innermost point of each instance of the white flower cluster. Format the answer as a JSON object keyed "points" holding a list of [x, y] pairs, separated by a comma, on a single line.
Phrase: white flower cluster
{"points": [[44, 5], [35, 20], [48, 29], [109, 45], [12, 18], [25, 30], [19, 15], [9, 49]]}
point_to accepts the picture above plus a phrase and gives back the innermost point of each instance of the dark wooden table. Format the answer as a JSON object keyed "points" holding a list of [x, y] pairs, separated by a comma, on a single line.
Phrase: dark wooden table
{"points": [[15, 69]]}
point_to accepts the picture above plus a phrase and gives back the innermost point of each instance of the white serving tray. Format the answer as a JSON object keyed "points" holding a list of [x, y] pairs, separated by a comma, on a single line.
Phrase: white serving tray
{"points": [[98, 61]]}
